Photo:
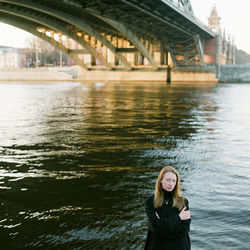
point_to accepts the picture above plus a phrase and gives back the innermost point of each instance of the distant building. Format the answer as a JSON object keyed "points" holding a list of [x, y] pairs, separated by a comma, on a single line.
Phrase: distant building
{"points": [[12, 58], [214, 21], [219, 50]]}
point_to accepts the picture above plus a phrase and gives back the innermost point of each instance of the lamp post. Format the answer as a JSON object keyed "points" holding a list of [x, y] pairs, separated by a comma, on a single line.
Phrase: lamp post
{"points": [[37, 58], [60, 58]]}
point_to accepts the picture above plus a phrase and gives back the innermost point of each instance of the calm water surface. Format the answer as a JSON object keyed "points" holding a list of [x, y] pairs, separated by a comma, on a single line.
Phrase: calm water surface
{"points": [[78, 160]]}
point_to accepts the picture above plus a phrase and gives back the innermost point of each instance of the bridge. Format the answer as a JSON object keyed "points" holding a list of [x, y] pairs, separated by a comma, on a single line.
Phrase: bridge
{"points": [[116, 34]]}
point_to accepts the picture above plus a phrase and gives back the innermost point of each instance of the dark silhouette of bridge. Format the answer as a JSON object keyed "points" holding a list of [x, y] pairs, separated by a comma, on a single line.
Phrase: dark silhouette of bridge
{"points": [[115, 34]]}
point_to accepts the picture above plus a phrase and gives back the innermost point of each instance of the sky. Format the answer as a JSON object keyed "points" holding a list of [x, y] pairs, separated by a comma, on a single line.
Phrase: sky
{"points": [[235, 18]]}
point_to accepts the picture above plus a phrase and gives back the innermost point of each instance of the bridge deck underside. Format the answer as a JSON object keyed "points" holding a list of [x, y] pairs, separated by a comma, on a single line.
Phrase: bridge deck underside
{"points": [[116, 33]]}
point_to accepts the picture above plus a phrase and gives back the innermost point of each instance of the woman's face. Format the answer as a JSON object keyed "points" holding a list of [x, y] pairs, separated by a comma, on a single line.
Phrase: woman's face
{"points": [[168, 181]]}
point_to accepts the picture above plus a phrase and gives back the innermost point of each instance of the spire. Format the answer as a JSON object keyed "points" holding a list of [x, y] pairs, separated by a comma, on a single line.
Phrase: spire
{"points": [[233, 41], [214, 21], [214, 12], [224, 34]]}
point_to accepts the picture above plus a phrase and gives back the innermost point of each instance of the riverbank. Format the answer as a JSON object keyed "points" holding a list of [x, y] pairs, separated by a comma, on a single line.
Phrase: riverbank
{"points": [[75, 73], [235, 73], [40, 74]]}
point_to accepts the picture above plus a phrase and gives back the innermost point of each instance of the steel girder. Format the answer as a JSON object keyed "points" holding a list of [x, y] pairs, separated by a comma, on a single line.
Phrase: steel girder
{"points": [[76, 21], [31, 27], [133, 38], [134, 20], [73, 20], [159, 20], [54, 24], [24, 10]]}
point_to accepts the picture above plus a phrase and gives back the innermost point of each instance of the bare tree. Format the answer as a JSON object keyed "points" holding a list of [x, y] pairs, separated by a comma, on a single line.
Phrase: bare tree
{"points": [[43, 53]]}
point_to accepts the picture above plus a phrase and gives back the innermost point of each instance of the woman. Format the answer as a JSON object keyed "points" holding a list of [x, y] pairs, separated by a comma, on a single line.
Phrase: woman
{"points": [[168, 214]]}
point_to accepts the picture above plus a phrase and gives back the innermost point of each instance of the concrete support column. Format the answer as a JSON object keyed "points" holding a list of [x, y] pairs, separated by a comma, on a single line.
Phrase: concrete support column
{"points": [[157, 53], [162, 56], [218, 55], [110, 55], [93, 44], [99, 50], [166, 57], [120, 45], [115, 43], [104, 50], [151, 48], [146, 43], [129, 56], [60, 52], [136, 56], [142, 61], [169, 74], [79, 46], [86, 57], [52, 35], [67, 42]]}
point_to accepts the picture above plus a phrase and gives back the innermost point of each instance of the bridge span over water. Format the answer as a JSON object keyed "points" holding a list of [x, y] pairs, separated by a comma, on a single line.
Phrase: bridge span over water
{"points": [[115, 34]]}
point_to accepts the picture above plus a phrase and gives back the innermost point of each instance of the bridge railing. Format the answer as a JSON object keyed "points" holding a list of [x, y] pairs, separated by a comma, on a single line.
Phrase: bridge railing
{"points": [[184, 5]]}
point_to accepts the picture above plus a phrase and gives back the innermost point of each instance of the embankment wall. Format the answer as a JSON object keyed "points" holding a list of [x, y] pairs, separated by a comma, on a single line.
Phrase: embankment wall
{"points": [[77, 74], [234, 73], [143, 75], [40, 74]]}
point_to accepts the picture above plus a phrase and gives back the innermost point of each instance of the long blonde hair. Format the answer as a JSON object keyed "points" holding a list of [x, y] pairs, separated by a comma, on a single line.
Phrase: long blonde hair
{"points": [[178, 198]]}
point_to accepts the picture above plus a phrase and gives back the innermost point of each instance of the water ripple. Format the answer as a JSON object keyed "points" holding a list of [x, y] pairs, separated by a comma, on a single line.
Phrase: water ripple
{"points": [[78, 160]]}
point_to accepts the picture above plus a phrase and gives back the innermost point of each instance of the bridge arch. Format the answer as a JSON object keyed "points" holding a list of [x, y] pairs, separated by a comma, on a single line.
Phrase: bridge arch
{"points": [[49, 22], [73, 20], [22, 8], [32, 28], [151, 30]]}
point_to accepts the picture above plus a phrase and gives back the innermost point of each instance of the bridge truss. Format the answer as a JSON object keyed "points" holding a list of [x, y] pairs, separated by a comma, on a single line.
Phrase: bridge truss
{"points": [[119, 34]]}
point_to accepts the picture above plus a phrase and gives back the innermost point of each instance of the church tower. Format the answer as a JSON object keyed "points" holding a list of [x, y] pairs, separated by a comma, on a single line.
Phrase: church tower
{"points": [[214, 21]]}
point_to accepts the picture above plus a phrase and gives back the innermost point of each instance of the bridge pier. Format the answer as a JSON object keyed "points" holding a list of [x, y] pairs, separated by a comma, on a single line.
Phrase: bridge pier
{"points": [[235, 73], [132, 40], [169, 75], [147, 75]]}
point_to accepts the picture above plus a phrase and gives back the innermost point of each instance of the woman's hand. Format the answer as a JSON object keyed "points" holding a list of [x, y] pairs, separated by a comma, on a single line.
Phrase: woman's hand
{"points": [[157, 215], [185, 214]]}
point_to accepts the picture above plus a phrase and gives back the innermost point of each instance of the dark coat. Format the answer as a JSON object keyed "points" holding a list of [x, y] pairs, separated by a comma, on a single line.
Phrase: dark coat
{"points": [[169, 232]]}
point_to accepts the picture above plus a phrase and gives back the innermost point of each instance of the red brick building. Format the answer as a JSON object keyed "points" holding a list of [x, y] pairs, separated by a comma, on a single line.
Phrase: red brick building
{"points": [[219, 50]]}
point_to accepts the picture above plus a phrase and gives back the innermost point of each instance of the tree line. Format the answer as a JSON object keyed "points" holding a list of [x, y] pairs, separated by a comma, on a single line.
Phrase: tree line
{"points": [[42, 54]]}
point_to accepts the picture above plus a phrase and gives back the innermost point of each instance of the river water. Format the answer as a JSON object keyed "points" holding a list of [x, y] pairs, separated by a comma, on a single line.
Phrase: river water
{"points": [[78, 160]]}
